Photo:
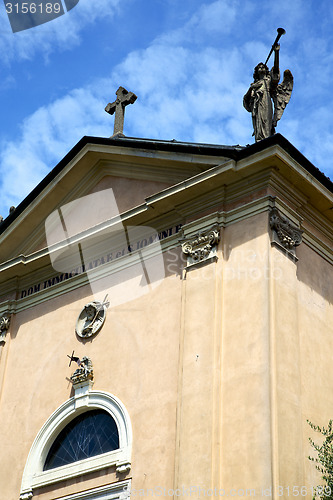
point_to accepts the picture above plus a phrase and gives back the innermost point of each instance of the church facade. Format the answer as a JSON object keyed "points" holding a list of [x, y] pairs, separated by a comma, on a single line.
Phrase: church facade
{"points": [[166, 315]]}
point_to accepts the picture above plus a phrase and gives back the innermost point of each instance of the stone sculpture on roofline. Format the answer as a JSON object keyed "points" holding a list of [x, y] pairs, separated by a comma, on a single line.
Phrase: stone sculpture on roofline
{"points": [[124, 98], [266, 91], [266, 99]]}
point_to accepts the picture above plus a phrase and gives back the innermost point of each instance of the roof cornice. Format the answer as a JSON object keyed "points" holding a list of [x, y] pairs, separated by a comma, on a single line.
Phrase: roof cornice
{"points": [[235, 153]]}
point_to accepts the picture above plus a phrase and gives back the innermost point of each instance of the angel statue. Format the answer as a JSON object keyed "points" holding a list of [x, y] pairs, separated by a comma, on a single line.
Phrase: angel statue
{"points": [[265, 89]]}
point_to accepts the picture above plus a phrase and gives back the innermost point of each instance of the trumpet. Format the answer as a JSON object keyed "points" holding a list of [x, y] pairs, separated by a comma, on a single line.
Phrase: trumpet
{"points": [[281, 32]]}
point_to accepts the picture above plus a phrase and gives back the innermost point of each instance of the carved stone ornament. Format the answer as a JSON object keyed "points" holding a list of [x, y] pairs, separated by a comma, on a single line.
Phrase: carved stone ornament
{"points": [[123, 467], [84, 372], [4, 326], [91, 319], [289, 236], [201, 246], [26, 495]]}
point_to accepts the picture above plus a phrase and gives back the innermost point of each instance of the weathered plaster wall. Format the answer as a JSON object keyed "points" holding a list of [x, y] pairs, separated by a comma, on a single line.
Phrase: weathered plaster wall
{"points": [[135, 357], [218, 371]]}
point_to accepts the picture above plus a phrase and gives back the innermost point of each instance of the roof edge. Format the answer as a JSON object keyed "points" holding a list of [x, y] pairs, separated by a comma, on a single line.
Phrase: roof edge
{"points": [[233, 152]]}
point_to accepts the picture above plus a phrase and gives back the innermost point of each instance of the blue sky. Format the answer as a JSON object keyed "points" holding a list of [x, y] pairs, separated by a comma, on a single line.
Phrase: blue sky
{"points": [[189, 62]]}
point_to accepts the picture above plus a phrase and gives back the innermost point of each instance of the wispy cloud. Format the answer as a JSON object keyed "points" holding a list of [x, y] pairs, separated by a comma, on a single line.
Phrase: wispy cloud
{"points": [[60, 34], [46, 136], [187, 90], [215, 18]]}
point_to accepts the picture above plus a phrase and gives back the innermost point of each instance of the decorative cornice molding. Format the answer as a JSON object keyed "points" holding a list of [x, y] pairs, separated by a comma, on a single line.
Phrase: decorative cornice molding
{"points": [[202, 246], [40, 272], [285, 233]]}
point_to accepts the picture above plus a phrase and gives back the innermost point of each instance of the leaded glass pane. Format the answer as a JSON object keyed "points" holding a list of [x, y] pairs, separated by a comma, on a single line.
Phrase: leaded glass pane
{"points": [[92, 433]]}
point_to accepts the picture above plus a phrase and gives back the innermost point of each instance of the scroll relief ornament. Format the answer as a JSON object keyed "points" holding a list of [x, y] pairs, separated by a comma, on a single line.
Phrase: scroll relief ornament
{"points": [[289, 236], [4, 326], [200, 248], [91, 319]]}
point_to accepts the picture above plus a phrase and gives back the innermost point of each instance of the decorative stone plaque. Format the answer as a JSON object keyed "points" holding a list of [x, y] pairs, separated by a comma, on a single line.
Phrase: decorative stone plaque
{"points": [[202, 247], [91, 319]]}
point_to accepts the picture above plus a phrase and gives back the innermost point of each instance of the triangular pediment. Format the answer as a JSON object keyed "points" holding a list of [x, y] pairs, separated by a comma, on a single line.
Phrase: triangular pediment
{"points": [[128, 194], [132, 173]]}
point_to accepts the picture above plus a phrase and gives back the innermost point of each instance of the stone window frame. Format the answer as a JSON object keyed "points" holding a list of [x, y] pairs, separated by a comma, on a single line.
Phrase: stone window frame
{"points": [[115, 491], [84, 400]]}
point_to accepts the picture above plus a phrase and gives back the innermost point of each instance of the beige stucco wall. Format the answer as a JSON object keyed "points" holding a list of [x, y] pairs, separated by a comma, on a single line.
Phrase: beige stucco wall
{"points": [[218, 370], [315, 319], [245, 399], [135, 357]]}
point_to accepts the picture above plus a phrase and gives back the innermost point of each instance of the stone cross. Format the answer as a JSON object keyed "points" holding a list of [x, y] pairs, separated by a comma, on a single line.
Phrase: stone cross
{"points": [[118, 107]]}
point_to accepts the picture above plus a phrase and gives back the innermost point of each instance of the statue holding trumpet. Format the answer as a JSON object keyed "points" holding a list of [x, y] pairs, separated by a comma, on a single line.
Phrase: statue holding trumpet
{"points": [[266, 91]]}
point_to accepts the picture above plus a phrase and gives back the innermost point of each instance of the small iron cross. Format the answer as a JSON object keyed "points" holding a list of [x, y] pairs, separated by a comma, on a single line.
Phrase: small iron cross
{"points": [[118, 107]]}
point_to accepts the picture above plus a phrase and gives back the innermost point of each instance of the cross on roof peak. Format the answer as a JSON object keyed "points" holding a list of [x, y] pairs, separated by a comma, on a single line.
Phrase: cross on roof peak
{"points": [[118, 107]]}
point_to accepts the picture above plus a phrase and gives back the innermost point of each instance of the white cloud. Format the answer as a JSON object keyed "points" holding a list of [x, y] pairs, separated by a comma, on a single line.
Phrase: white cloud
{"points": [[61, 33], [217, 18], [186, 91], [182, 94], [46, 136], [181, 91]]}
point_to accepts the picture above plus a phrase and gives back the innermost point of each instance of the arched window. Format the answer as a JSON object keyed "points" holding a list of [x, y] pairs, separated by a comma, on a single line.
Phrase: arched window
{"points": [[90, 434]]}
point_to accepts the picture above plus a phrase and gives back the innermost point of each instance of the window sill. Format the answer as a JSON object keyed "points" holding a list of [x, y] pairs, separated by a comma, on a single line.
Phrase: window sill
{"points": [[116, 458]]}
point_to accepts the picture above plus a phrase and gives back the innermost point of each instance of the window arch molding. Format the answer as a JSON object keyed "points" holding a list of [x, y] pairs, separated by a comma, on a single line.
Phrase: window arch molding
{"points": [[34, 476]]}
